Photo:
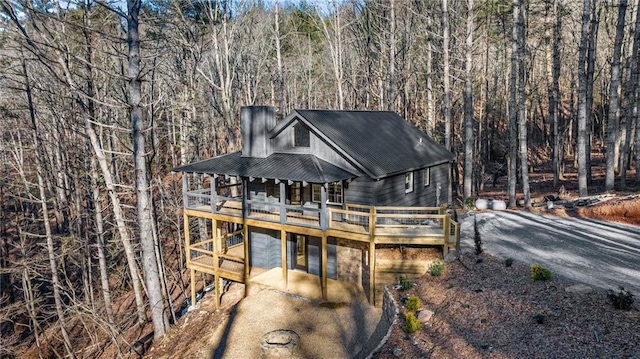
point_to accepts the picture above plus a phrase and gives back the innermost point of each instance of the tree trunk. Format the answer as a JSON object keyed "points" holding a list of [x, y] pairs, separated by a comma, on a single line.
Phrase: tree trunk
{"points": [[446, 106], [143, 203], [613, 119], [391, 48], [334, 40], [281, 109], [430, 126], [468, 105], [102, 258], [631, 109], [554, 98], [513, 108], [522, 113], [583, 132], [591, 65]]}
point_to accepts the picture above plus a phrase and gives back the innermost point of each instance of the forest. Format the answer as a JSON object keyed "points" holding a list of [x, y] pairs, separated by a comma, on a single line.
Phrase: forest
{"points": [[99, 100]]}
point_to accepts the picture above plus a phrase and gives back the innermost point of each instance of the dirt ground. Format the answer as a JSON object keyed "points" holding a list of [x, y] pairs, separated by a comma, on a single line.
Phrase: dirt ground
{"points": [[484, 309]]}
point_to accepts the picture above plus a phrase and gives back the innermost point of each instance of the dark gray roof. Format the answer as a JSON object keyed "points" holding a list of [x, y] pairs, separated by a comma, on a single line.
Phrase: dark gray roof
{"points": [[295, 167], [381, 142]]}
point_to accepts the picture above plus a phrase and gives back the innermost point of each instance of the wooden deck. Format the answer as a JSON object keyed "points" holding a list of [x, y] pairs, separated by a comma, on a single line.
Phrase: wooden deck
{"points": [[372, 225]]}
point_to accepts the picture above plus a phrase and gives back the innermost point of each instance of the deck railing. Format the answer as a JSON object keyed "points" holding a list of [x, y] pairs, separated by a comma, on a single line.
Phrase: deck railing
{"points": [[354, 218]]}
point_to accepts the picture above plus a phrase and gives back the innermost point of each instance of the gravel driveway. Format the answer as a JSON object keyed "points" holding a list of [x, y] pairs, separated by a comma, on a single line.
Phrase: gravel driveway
{"points": [[601, 254]]}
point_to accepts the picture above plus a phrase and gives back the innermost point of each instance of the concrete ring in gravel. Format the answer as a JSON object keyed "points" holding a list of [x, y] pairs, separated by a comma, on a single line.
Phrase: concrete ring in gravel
{"points": [[281, 343]]}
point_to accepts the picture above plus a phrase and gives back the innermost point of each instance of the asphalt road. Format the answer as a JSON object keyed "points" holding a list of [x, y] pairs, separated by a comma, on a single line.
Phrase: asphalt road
{"points": [[598, 253]]}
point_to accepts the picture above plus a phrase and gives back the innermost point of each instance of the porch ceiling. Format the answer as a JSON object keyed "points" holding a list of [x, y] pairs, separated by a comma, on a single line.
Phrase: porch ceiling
{"points": [[283, 166]]}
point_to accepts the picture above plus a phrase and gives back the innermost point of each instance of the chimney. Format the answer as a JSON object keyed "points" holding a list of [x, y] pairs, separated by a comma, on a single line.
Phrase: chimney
{"points": [[255, 124]]}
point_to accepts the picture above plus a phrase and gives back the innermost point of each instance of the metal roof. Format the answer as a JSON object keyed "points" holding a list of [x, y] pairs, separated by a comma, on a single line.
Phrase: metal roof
{"points": [[295, 167], [382, 142]]}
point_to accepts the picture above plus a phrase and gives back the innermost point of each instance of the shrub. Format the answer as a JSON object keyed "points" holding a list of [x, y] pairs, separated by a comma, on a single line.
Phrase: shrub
{"points": [[468, 203], [540, 273], [508, 262], [411, 323], [539, 318], [405, 284], [436, 268], [413, 303], [621, 300]]}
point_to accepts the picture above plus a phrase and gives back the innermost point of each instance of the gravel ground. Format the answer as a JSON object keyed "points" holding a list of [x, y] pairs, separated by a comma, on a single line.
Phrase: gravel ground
{"points": [[598, 253], [326, 330]]}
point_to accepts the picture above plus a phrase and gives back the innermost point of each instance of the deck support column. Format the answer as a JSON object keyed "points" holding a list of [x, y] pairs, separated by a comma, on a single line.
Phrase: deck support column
{"points": [[216, 287], [192, 273], [214, 193], [372, 272], [187, 250], [324, 266], [446, 232], [283, 202], [245, 240], [285, 272]]}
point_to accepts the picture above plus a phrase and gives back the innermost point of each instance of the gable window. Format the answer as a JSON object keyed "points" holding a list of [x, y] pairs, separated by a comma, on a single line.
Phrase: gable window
{"points": [[408, 182], [301, 137], [427, 176], [334, 193]]}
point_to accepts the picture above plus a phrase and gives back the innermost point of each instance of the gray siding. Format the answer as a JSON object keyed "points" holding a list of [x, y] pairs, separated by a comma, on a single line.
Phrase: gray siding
{"points": [[264, 248], [391, 190], [360, 191], [283, 143], [314, 257]]}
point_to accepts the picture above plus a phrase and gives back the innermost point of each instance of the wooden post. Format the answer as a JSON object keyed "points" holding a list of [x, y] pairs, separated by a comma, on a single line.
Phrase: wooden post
{"points": [[283, 202], [323, 207], [192, 272], [324, 266], [446, 232], [372, 272], [285, 272], [187, 252], [245, 239], [214, 194], [217, 288], [245, 194]]}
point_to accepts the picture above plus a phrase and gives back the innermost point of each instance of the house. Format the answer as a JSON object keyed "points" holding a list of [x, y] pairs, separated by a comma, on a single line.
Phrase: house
{"points": [[316, 193]]}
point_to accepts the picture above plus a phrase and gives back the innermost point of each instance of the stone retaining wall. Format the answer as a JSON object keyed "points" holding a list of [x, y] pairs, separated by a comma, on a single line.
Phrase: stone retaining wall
{"points": [[383, 329]]}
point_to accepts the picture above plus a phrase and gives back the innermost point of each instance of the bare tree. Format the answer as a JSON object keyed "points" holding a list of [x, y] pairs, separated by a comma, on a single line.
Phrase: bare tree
{"points": [[614, 98], [554, 96], [468, 105], [513, 108], [143, 203], [522, 113], [446, 97], [582, 100]]}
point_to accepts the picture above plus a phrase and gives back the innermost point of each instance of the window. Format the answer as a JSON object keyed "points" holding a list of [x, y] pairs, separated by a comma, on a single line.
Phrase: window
{"points": [[301, 136], [334, 192], [408, 182], [427, 176], [273, 189], [296, 193]]}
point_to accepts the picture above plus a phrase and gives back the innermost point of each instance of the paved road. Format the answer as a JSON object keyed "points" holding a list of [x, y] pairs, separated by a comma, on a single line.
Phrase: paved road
{"points": [[598, 253]]}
